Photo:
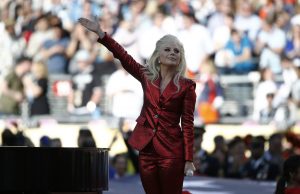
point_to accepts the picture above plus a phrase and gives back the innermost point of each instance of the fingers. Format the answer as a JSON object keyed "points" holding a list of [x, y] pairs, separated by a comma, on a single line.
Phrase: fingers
{"points": [[83, 21]]}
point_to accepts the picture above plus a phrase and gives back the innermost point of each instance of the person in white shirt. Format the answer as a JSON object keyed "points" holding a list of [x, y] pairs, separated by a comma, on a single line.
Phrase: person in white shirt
{"points": [[197, 42], [269, 45], [245, 19], [125, 94]]}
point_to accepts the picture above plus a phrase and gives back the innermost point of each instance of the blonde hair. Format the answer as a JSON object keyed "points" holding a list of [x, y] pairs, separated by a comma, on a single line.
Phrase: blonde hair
{"points": [[40, 70], [153, 67]]}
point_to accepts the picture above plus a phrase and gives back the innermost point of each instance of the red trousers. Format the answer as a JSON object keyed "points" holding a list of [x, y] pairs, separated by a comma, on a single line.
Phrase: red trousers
{"points": [[160, 175]]}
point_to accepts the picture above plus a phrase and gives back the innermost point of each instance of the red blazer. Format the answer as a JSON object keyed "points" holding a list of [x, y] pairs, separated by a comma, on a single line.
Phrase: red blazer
{"points": [[161, 113]]}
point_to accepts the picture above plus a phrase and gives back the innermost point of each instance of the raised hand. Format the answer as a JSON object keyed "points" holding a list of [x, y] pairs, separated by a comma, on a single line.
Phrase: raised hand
{"points": [[92, 26]]}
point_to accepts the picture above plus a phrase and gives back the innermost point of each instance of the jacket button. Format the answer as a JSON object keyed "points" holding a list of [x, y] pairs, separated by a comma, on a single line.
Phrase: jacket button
{"points": [[154, 130], [156, 116]]}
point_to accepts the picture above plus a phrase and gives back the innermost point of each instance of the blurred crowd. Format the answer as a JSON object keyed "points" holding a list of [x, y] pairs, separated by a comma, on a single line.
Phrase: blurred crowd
{"points": [[258, 158], [257, 38]]}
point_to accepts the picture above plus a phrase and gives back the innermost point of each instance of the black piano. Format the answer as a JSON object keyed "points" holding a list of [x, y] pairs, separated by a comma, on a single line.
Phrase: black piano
{"points": [[35, 170]]}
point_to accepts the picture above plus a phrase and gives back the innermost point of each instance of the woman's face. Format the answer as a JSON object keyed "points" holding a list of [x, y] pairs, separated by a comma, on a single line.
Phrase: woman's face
{"points": [[170, 54]]}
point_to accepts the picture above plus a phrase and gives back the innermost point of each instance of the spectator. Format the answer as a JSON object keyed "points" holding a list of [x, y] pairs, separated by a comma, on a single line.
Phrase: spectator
{"points": [[12, 87], [56, 142], [266, 115], [105, 64], [235, 159], [148, 37], [210, 94], [23, 140], [11, 46], [205, 164], [217, 18], [8, 138], [220, 150], [295, 90], [236, 58], [266, 85], [197, 42], [267, 8], [85, 139], [283, 20], [269, 45], [246, 21], [36, 89], [289, 181], [40, 34], [292, 47], [119, 166], [275, 152], [257, 167], [222, 33], [126, 35], [86, 92], [286, 114], [289, 76], [45, 141], [203, 9], [125, 94], [80, 40], [53, 50]]}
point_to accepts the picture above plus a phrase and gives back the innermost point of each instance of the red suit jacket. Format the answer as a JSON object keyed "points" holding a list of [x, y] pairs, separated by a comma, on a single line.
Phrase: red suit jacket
{"points": [[161, 113]]}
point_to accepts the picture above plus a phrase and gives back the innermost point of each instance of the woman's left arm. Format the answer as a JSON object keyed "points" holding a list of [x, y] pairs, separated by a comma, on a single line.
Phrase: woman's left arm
{"points": [[187, 123]]}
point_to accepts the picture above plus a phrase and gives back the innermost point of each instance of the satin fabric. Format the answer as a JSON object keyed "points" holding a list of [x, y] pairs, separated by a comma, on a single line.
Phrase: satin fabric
{"points": [[161, 113], [164, 145], [160, 175]]}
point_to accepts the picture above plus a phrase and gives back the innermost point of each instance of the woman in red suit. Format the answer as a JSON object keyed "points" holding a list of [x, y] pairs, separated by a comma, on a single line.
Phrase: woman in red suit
{"points": [[165, 147]]}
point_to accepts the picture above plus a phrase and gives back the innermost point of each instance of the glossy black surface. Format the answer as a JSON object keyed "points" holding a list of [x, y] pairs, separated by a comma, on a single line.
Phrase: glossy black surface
{"points": [[53, 169]]}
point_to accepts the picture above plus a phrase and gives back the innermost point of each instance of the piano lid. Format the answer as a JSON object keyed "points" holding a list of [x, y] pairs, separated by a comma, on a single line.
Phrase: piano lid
{"points": [[53, 169]]}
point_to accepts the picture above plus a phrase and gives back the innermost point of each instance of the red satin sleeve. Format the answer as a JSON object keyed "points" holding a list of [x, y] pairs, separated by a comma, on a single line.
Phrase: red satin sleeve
{"points": [[187, 121], [127, 61]]}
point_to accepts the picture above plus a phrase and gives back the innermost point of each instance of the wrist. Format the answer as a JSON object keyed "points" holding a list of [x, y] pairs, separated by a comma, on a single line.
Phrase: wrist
{"points": [[101, 34]]}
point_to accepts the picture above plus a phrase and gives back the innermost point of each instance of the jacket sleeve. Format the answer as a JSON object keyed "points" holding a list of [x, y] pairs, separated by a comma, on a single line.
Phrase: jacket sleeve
{"points": [[127, 61], [187, 121]]}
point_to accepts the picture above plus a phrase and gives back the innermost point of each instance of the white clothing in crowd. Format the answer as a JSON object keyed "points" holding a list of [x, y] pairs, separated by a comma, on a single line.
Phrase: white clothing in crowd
{"points": [[125, 94], [197, 45]]}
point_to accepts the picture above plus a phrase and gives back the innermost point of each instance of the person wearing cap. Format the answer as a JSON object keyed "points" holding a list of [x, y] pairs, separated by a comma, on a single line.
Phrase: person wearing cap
{"points": [[165, 148]]}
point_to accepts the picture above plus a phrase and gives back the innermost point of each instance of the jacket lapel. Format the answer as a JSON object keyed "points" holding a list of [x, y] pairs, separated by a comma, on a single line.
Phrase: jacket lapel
{"points": [[169, 91], [154, 90]]}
